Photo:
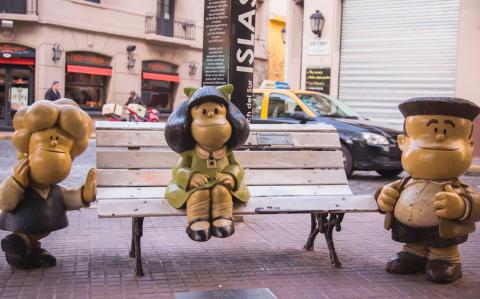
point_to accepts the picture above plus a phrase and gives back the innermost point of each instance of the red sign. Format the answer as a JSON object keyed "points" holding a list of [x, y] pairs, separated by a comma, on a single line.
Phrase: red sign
{"points": [[87, 58], [159, 67]]}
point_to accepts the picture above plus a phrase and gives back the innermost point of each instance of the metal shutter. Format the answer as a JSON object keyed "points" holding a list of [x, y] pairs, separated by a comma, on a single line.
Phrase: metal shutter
{"points": [[392, 50]]}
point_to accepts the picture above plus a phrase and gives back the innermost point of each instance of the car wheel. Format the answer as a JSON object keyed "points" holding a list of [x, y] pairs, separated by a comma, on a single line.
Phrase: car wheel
{"points": [[389, 172], [347, 160]]}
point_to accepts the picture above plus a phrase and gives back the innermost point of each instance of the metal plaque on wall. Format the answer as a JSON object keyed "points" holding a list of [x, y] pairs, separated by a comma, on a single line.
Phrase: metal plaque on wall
{"points": [[228, 48]]}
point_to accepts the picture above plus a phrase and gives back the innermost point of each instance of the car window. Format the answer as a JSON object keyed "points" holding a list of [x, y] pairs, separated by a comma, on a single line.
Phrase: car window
{"points": [[282, 106], [327, 106], [257, 104]]}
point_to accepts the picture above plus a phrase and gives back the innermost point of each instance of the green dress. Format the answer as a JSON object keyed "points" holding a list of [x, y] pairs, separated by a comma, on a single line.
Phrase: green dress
{"points": [[198, 160]]}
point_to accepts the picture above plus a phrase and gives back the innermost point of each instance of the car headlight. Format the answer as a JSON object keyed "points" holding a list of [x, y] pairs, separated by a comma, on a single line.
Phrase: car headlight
{"points": [[374, 139]]}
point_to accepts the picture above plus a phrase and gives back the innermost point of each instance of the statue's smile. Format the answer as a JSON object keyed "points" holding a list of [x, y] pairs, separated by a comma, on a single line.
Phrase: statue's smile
{"points": [[53, 151], [221, 122], [440, 148]]}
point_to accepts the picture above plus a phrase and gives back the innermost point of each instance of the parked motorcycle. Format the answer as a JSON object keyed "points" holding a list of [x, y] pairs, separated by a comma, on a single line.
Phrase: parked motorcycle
{"points": [[132, 112]]}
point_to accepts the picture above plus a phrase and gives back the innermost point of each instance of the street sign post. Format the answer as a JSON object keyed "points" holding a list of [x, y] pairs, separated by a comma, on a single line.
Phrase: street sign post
{"points": [[228, 48]]}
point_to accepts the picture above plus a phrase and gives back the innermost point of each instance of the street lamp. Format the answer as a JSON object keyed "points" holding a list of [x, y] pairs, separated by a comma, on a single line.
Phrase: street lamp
{"points": [[193, 69], [130, 57], [317, 20], [284, 37], [57, 52]]}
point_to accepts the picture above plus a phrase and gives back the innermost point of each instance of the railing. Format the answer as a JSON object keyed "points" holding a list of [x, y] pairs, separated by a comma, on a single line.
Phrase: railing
{"points": [[181, 28], [22, 7]]}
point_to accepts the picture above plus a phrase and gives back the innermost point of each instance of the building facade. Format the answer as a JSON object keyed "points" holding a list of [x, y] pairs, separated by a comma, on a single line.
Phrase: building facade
{"points": [[375, 54], [100, 50]]}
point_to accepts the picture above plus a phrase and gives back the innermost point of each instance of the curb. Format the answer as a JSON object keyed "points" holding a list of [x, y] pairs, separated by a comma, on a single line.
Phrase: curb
{"points": [[474, 170]]}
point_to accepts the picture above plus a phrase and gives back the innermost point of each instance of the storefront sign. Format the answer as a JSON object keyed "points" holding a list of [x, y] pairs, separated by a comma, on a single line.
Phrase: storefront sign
{"points": [[228, 49], [318, 79], [16, 51], [159, 67], [88, 58], [318, 47]]}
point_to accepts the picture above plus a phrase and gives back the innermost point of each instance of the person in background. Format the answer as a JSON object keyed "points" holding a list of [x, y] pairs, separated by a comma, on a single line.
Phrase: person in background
{"points": [[53, 93], [134, 99]]}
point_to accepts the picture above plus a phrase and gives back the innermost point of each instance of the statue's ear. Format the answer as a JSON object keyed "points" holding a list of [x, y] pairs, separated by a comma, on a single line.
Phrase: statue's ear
{"points": [[226, 90], [189, 91]]}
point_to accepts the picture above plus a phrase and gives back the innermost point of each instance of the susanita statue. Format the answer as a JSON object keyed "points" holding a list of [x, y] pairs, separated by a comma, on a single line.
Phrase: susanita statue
{"points": [[205, 130], [431, 211], [48, 136]]}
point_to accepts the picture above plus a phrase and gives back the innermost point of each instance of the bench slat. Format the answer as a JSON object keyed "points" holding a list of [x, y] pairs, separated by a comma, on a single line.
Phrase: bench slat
{"points": [[107, 125], [165, 158], [161, 177], [137, 138], [128, 193], [301, 204]]}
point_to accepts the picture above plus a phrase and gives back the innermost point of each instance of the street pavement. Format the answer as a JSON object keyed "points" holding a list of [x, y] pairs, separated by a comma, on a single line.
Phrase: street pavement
{"points": [[265, 252]]}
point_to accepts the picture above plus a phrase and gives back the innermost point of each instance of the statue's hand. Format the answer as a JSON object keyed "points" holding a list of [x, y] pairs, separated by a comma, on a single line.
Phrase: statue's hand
{"points": [[89, 191], [449, 204], [21, 173], [226, 179], [387, 199], [198, 179]]}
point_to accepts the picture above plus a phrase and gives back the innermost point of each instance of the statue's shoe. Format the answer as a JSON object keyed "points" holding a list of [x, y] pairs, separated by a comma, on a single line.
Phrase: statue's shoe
{"points": [[16, 252], [199, 230], [41, 258], [441, 271], [222, 227], [405, 263]]}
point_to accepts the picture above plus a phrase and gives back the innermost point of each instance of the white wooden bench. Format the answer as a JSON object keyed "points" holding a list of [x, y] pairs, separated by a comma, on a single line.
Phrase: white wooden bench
{"points": [[289, 169]]}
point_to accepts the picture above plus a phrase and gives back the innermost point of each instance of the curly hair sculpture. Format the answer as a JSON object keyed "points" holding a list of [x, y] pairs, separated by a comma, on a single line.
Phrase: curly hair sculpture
{"points": [[43, 114]]}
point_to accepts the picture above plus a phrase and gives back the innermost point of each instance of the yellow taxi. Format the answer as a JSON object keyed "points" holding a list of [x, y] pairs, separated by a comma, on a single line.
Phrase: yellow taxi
{"points": [[366, 145]]}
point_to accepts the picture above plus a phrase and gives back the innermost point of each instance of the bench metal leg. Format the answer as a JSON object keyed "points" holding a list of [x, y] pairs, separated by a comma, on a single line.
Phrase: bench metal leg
{"points": [[135, 248], [325, 223]]}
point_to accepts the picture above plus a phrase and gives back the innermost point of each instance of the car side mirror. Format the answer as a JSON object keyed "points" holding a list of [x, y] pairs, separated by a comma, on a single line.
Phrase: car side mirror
{"points": [[302, 117]]}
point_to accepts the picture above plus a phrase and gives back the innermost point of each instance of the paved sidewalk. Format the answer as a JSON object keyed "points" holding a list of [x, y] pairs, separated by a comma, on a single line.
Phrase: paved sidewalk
{"points": [[265, 252]]}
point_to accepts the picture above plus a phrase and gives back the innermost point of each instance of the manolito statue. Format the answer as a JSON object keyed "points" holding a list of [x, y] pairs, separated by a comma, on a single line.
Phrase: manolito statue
{"points": [[48, 136], [205, 130], [431, 211]]}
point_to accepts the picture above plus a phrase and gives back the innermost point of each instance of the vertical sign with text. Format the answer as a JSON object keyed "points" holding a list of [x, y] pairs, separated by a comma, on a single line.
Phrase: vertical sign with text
{"points": [[318, 79], [228, 48]]}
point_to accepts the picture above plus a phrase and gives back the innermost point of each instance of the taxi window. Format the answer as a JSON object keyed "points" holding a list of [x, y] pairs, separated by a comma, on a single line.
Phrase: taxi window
{"points": [[282, 106], [257, 104]]}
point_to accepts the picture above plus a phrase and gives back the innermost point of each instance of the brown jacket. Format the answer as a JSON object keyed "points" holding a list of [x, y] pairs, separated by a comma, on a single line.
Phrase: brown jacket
{"points": [[449, 228]]}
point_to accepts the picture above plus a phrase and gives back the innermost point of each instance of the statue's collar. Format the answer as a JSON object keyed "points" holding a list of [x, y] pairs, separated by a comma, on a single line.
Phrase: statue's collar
{"points": [[218, 154]]}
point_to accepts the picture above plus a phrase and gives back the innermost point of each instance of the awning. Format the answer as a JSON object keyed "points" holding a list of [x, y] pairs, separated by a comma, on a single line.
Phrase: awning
{"points": [[89, 70], [161, 77], [21, 61]]}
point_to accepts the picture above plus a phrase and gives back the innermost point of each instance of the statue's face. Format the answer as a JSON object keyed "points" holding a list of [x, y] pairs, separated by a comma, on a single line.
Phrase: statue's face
{"points": [[436, 147], [50, 159], [210, 127]]}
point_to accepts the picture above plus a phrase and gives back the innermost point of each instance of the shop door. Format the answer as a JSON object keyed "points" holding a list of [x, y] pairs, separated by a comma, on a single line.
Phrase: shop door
{"points": [[165, 19], [3, 97], [16, 91]]}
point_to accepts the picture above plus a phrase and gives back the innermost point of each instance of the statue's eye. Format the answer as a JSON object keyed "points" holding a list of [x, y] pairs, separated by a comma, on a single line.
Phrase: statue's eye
{"points": [[444, 131], [56, 138], [51, 137], [436, 130], [204, 111], [216, 110]]}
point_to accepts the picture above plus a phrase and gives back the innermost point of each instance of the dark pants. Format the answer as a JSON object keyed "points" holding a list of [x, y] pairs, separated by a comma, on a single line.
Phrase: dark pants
{"points": [[428, 236]]}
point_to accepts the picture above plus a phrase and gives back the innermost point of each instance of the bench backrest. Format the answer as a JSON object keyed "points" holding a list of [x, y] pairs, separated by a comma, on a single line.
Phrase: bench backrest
{"points": [[136, 155]]}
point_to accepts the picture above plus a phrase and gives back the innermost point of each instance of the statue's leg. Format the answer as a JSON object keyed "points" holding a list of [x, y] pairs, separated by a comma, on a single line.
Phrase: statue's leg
{"points": [[40, 257], [198, 215], [412, 259], [444, 264], [222, 212]]}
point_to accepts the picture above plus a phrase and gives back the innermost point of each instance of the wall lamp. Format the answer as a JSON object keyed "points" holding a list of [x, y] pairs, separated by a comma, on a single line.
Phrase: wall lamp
{"points": [[193, 69], [317, 20], [57, 52], [130, 57]]}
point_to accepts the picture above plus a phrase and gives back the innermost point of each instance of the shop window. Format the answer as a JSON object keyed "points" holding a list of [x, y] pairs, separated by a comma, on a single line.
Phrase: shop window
{"points": [[87, 78], [159, 80]]}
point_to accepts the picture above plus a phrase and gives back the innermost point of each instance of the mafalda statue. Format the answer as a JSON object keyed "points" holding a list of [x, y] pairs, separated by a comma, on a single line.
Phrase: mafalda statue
{"points": [[431, 211], [48, 136], [207, 177]]}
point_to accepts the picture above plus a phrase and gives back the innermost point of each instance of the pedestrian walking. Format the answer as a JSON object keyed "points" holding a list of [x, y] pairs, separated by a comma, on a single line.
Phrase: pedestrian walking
{"points": [[53, 93], [134, 99]]}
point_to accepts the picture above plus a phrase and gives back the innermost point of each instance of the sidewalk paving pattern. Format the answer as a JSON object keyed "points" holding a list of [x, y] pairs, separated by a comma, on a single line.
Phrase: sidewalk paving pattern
{"points": [[265, 252]]}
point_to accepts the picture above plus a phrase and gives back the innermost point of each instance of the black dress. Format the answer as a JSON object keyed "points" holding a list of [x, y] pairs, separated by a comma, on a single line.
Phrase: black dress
{"points": [[35, 215]]}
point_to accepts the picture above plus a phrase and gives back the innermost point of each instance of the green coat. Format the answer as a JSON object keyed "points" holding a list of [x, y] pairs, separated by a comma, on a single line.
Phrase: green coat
{"points": [[190, 162]]}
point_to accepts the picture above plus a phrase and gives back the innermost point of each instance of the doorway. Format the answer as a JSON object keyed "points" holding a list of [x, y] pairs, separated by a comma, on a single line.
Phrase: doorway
{"points": [[16, 91], [165, 18]]}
